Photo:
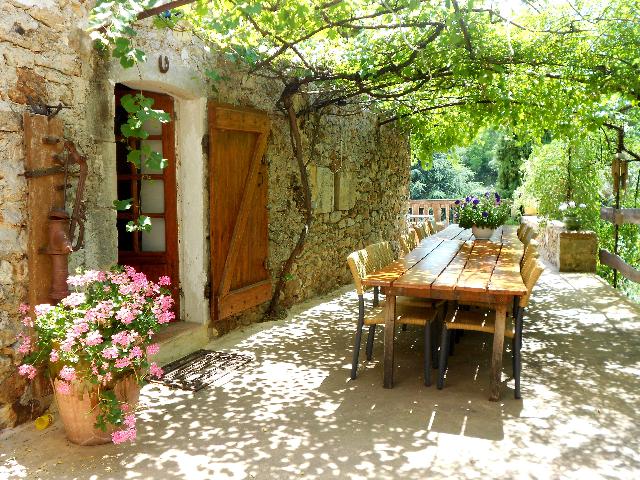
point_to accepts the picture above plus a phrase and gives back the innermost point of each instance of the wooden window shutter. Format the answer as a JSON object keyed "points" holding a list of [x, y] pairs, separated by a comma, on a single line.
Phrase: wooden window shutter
{"points": [[238, 190]]}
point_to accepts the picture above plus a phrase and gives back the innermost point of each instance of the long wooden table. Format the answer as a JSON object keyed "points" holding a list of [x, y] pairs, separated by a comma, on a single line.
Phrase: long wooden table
{"points": [[452, 265]]}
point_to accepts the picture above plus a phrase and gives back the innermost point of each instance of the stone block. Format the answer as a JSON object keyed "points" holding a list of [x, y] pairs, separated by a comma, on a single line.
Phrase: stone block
{"points": [[345, 190], [322, 189], [48, 17], [6, 272], [28, 84], [10, 122]]}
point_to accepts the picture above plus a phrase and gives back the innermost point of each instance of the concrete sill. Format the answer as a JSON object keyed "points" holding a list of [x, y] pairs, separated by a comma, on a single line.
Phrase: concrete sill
{"points": [[179, 339]]}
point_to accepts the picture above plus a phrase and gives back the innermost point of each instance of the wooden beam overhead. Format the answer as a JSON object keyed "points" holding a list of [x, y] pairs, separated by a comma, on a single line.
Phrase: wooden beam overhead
{"points": [[620, 216]]}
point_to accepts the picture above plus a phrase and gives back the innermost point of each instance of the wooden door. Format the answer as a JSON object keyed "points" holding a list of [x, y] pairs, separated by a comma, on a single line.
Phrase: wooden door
{"points": [[239, 232], [154, 195]]}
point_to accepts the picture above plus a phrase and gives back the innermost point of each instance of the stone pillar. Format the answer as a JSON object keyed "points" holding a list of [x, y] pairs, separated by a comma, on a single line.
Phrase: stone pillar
{"points": [[578, 251]]}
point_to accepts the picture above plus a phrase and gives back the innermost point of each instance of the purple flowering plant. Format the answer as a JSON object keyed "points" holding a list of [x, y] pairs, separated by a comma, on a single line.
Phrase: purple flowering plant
{"points": [[98, 335], [484, 211]]}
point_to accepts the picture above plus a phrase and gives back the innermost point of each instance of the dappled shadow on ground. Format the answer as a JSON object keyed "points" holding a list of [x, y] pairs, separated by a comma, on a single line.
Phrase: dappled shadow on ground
{"points": [[294, 413]]}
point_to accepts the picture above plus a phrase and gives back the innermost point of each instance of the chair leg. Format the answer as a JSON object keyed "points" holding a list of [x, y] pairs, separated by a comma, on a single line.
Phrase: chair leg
{"points": [[376, 296], [358, 339], [435, 334], [427, 354], [513, 356], [444, 353], [437, 326], [452, 343], [404, 327], [517, 360], [370, 337]]}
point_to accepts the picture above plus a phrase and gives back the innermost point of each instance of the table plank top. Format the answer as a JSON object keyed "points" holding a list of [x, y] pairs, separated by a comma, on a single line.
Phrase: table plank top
{"points": [[427, 270], [453, 261]]}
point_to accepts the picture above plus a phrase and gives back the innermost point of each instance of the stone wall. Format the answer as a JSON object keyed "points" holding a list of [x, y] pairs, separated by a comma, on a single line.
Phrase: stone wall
{"points": [[359, 171]]}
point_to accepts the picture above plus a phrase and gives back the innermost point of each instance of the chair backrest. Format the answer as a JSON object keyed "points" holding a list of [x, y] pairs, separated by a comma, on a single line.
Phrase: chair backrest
{"points": [[531, 272], [529, 235], [413, 237], [530, 250], [380, 254], [367, 260], [428, 227], [357, 262], [408, 242]]}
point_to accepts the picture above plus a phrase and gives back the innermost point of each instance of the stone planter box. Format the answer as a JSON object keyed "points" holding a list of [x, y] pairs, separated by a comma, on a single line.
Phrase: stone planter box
{"points": [[567, 251]]}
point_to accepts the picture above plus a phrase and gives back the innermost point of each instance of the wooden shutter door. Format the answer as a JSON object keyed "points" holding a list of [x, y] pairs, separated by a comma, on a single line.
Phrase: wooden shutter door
{"points": [[239, 235]]}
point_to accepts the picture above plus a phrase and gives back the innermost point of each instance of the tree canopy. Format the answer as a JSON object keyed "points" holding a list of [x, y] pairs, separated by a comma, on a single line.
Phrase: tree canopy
{"points": [[442, 67]]}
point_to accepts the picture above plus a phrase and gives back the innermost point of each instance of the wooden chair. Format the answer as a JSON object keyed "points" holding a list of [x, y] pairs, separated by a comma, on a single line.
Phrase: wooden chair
{"points": [[409, 311], [530, 250], [420, 232], [484, 321], [527, 234], [408, 241]]}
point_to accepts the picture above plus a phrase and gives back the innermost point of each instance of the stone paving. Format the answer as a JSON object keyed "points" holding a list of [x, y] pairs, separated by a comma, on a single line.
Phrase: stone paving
{"points": [[294, 413]]}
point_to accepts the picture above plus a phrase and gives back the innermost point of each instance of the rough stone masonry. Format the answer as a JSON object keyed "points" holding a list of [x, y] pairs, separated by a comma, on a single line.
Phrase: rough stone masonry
{"points": [[359, 171]]}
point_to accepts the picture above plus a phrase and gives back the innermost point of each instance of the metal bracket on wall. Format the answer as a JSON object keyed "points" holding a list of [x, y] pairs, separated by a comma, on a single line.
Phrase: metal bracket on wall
{"points": [[163, 63]]}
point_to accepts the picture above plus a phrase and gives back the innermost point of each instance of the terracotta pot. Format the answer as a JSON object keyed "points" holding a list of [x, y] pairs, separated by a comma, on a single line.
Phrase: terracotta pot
{"points": [[79, 411], [482, 233]]}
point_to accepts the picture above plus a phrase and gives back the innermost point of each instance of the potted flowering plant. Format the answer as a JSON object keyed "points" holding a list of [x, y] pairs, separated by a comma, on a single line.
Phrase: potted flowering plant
{"points": [[483, 214], [95, 347], [571, 213]]}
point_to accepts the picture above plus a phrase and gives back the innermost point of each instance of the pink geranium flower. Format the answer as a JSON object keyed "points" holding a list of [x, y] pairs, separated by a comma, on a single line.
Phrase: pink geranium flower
{"points": [[23, 308], [121, 436], [121, 338], [28, 371], [74, 299], [93, 338], [80, 328], [125, 315], [67, 373], [136, 352], [122, 362], [110, 352], [155, 370], [153, 349], [25, 345], [53, 356], [42, 309], [130, 420], [164, 281]]}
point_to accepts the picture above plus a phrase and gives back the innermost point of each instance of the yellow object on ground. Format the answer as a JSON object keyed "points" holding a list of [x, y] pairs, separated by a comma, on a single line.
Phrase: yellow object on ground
{"points": [[43, 421]]}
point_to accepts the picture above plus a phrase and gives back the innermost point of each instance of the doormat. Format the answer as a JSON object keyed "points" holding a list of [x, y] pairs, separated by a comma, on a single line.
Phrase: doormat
{"points": [[202, 368]]}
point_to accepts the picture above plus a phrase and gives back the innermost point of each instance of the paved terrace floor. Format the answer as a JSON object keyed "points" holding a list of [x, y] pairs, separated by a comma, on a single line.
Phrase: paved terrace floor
{"points": [[293, 413]]}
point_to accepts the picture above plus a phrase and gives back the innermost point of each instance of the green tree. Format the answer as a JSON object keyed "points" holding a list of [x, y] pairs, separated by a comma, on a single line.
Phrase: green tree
{"points": [[479, 157], [509, 156], [442, 180]]}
